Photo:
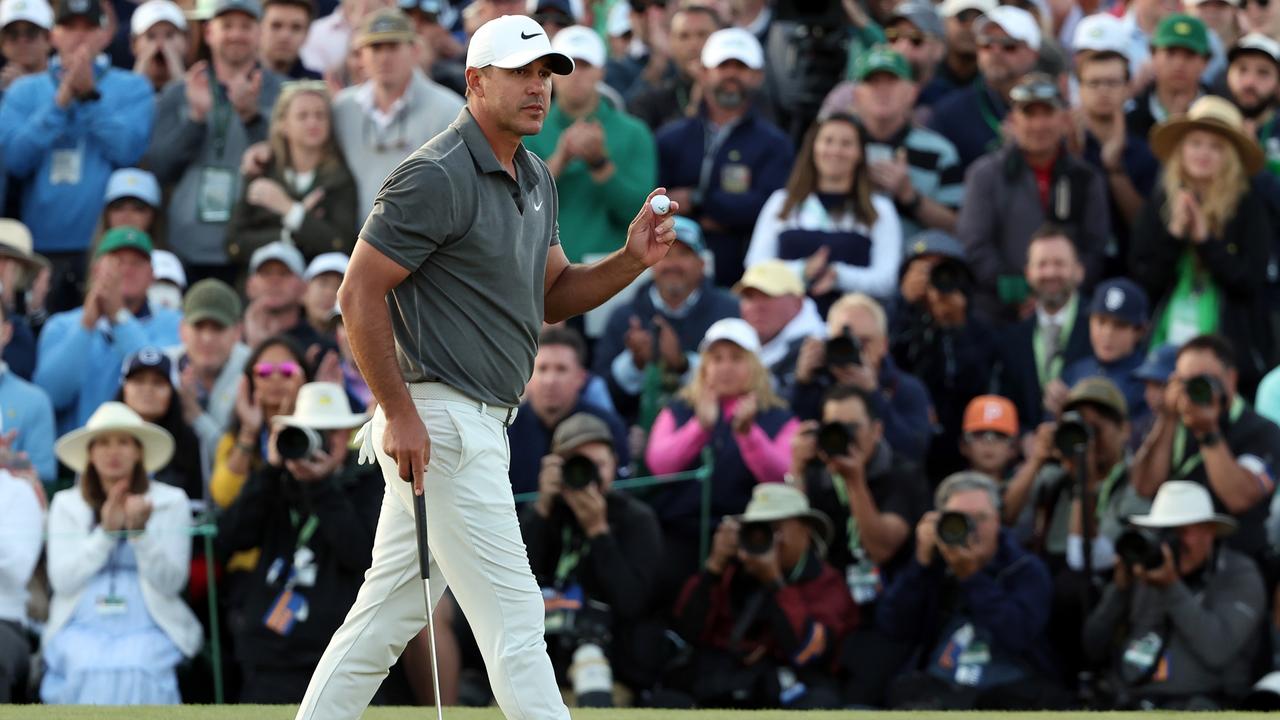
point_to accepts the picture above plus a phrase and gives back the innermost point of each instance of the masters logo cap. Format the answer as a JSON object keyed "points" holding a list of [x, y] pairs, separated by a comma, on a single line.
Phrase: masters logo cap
{"points": [[581, 44], [513, 41], [732, 44]]}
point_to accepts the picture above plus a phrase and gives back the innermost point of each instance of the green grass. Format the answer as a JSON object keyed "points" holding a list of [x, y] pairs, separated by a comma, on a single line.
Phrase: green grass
{"points": [[284, 712]]}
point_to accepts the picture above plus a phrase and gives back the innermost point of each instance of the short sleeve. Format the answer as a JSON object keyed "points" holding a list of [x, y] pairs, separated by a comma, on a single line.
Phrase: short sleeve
{"points": [[414, 213], [905, 498]]}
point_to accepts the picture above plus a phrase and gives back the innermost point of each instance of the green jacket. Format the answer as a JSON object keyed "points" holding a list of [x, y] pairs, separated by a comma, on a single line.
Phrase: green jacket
{"points": [[594, 217]]}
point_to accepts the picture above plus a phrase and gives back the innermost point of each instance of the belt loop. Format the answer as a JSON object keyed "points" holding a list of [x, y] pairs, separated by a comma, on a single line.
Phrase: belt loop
{"points": [[484, 408]]}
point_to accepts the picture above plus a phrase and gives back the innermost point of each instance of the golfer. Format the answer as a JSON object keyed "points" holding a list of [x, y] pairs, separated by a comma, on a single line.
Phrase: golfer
{"points": [[456, 269]]}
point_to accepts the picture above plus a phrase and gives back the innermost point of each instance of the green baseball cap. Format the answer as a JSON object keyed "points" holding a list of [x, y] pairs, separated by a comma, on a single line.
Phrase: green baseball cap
{"points": [[211, 299], [124, 238], [881, 58], [1180, 30]]}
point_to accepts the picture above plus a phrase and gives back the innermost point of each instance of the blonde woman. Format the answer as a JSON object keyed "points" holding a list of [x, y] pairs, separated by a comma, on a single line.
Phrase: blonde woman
{"points": [[119, 553], [306, 195], [1202, 243], [729, 406]]}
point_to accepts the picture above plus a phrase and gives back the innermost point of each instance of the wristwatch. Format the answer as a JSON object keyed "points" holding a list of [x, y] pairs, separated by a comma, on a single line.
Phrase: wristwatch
{"points": [[1209, 439]]}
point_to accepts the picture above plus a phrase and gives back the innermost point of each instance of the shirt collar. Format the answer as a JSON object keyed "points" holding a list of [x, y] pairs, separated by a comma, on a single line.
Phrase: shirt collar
{"points": [[1065, 313], [482, 152]]}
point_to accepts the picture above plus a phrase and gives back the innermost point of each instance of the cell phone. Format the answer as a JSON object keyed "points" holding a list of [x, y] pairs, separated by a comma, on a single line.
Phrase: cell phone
{"points": [[878, 153]]}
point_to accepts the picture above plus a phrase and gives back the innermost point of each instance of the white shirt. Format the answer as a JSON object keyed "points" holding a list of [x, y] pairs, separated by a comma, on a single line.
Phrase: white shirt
{"points": [[23, 538], [326, 45], [364, 96]]}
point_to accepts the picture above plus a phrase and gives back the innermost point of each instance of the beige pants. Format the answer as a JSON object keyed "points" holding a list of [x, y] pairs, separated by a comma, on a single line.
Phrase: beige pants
{"points": [[476, 549]]}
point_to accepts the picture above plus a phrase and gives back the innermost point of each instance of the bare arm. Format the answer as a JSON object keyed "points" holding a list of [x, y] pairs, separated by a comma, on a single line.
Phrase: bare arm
{"points": [[574, 289], [882, 533], [934, 214], [1238, 488], [1151, 464]]}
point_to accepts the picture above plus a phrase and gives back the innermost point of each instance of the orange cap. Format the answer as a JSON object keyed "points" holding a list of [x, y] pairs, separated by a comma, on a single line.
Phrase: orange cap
{"points": [[991, 412]]}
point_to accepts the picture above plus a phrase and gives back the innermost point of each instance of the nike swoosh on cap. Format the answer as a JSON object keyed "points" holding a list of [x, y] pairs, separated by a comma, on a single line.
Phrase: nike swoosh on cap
{"points": [[529, 37]]}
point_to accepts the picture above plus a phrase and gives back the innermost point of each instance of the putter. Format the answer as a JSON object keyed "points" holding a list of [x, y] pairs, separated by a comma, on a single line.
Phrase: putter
{"points": [[424, 565]]}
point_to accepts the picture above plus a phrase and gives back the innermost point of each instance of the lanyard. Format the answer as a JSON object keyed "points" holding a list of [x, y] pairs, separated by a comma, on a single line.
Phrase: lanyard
{"points": [[221, 119], [798, 570], [1108, 485], [308, 527], [1186, 465], [987, 111], [855, 535], [569, 557]]}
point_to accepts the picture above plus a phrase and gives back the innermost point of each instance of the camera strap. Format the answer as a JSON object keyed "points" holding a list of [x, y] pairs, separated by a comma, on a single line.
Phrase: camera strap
{"points": [[570, 556], [1187, 465]]}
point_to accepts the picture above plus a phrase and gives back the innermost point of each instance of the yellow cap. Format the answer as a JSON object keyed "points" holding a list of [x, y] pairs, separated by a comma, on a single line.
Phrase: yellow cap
{"points": [[771, 277]]}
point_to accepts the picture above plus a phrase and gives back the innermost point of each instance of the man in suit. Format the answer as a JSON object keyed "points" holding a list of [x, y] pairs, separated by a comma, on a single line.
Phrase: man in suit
{"points": [[1055, 331]]}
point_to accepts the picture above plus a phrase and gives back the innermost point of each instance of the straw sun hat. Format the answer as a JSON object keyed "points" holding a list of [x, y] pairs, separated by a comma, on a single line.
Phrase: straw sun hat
{"points": [[116, 417], [1215, 115]]}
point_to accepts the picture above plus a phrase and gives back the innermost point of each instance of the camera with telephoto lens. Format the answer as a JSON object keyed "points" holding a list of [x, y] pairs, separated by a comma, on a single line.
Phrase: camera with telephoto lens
{"points": [[590, 672], [843, 350], [1203, 390], [1072, 433], [834, 438], [756, 538], [954, 528], [948, 276], [1139, 546], [298, 443], [579, 471]]}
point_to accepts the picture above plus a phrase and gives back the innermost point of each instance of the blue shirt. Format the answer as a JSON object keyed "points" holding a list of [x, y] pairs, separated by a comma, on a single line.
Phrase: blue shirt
{"points": [[26, 408], [80, 369], [65, 156], [1119, 372]]}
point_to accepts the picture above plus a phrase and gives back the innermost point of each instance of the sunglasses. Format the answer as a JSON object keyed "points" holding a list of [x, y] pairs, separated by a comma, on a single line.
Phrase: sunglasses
{"points": [[915, 37], [1038, 92], [285, 369], [1006, 44], [21, 31]]}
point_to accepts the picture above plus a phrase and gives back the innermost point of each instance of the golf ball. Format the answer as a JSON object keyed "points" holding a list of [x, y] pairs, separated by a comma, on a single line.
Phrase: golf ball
{"points": [[660, 204]]}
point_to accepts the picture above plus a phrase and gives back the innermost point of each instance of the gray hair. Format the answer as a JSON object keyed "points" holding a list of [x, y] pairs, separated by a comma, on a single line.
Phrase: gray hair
{"points": [[966, 481]]}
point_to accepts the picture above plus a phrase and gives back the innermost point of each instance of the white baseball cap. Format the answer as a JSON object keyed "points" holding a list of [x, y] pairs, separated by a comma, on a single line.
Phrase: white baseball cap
{"points": [[279, 251], [133, 183], [36, 12], [156, 11], [619, 21], [580, 43], [166, 267], [1256, 42], [1101, 32], [332, 262], [732, 44], [1018, 23], [952, 8], [735, 330], [513, 41]]}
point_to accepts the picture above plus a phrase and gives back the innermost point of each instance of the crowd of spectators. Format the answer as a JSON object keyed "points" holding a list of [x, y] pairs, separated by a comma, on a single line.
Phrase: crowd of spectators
{"points": [[957, 389]]}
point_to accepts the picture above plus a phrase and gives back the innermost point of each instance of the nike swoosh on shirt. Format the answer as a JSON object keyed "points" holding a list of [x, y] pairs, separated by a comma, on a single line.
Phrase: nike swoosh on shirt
{"points": [[529, 37], [537, 205]]}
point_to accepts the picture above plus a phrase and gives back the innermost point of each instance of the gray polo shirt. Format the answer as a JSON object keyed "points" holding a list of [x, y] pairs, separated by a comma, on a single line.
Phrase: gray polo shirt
{"points": [[475, 243]]}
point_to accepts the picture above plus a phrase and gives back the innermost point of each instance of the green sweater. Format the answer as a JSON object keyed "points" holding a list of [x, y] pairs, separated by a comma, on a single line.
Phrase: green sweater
{"points": [[594, 217]]}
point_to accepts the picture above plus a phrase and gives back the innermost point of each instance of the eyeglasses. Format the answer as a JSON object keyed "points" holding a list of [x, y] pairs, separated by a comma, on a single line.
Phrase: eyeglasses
{"points": [[1006, 44], [986, 436], [20, 31], [285, 369], [1104, 83], [915, 37]]}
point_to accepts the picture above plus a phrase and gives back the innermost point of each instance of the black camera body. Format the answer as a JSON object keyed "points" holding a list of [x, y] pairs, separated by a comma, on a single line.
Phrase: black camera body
{"points": [[756, 538], [843, 350], [834, 438], [579, 471], [949, 275], [298, 443], [954, 528], [1072, 434], [1204, 390], [1140, 546]]}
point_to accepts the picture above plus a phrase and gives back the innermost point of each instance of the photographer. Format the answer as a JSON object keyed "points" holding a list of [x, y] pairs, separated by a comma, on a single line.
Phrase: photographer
{"points": [[312, 511], [766, 612], [876, 495], [975, 604], [951, 349], [857, 354], [1205, 433], [1044, 492], [596, 551], [1185, 611]]}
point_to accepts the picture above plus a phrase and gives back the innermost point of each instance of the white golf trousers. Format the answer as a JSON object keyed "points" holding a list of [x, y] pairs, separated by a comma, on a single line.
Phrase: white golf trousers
{"points": [[476, 549]]}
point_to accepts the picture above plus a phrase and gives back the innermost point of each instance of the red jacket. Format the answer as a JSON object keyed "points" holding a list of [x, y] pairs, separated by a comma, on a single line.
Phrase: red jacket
{"points": [[798, 624]]}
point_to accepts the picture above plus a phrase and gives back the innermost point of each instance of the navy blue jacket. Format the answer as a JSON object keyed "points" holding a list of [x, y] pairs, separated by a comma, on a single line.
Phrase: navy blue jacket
{"points": [[714, 304], [970, 118], [1018, 379], [1119, 372], [755, 143], [531, 441], [902, 403], [1008, 600]]}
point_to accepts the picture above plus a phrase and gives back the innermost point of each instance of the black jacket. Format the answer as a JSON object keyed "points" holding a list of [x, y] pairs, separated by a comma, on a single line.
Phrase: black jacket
{"points": [[268, 514], [1017, 375]]}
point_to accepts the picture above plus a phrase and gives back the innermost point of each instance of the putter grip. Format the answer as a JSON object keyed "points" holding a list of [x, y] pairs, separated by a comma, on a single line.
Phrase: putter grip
{"points": [[420, 519]]}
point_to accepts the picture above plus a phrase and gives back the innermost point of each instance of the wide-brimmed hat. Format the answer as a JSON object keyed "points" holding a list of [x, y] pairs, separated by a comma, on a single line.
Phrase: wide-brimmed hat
{"points": [[1216, 115], [322, 406], [779, 501], [1181, 502], [116, 417], [15, 241]]}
